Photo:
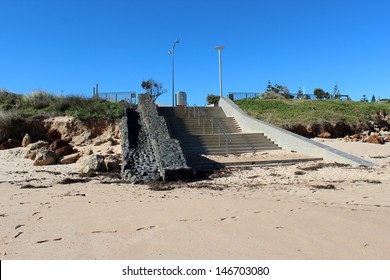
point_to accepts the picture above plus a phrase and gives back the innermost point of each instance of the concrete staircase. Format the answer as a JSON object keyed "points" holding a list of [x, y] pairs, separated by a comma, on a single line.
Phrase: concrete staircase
{"points": [[206, 130]]}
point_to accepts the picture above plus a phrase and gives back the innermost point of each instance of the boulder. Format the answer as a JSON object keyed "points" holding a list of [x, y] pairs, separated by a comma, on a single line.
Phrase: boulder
{"points": [[297, 128], [10, 144], [341, 129], [112, 163], [54, 134], [91, 164], [70, 158], [325, 135], [38, 145], [58, 144], [26, 140], [64, 151], [375, 139], [46, 157]]}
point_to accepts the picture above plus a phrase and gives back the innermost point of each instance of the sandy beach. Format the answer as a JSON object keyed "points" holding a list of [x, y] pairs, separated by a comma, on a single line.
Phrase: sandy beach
{"points": [[310, 210]]}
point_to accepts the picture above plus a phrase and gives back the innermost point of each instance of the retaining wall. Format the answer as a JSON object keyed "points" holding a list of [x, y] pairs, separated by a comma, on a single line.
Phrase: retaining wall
{"points": [[148, 151], [286, 139]]}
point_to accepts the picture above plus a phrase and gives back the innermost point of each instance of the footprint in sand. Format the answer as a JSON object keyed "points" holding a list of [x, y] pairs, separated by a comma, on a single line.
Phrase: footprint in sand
{"points": [[19, 233], [143, 228], [47, 240], [102, 231], [234, 218]]}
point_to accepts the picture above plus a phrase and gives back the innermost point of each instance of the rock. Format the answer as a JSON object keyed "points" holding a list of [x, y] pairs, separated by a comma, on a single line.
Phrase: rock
{"points": [[64, 151], [356, 136], [26, 140], [46, 157], [112, 163], [54, 134], [375, 139], [92, 163], [325, 135], [31, 154], [70, 158], [341, 129], [366, 133], [58, 144], [10, 144], [38, 145], [299, 129]]}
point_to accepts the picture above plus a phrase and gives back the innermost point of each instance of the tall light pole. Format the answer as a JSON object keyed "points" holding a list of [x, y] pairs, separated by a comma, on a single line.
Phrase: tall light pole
{"points": [[172, 52], [219, 49]]}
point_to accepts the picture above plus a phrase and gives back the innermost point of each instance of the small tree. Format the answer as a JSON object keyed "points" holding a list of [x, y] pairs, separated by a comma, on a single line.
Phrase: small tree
{"points": [[269, 87], [212, 99], [319, 93], [336, 92], [153, 88], [300, 93], [373, 99], [364, 98]]}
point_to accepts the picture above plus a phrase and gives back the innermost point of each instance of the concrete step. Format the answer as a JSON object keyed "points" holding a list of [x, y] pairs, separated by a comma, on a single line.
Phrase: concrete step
{"points": [[199, 136], [224, 151]]}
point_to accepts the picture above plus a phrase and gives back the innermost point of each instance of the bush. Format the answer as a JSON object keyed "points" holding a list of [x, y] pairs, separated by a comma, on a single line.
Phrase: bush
{"points": [[273, 95], [43, 103], [39, 100], [9, 100], [212, 99], [10, 124]]}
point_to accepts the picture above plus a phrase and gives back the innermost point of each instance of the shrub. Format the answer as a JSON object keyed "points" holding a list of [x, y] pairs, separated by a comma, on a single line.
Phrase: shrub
{"points": [[9, 100], [40, 100], [10, 124], [212, 99], [273, 95]]}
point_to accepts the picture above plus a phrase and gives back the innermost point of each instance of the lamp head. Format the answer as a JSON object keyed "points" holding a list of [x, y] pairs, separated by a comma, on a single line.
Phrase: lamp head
{"points": [[176, 41], [219, 48]]}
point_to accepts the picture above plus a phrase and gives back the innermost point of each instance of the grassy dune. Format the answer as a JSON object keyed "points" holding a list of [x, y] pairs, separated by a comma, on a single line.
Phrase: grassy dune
{"points": [[281, 112]]}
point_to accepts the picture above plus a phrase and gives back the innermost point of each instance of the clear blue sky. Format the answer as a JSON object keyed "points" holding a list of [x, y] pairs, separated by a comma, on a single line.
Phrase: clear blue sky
{"points": [[71, 45]]}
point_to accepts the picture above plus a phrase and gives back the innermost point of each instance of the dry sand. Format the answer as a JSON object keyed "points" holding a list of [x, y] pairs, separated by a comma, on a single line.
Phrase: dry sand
{"points": [[311, 210]]}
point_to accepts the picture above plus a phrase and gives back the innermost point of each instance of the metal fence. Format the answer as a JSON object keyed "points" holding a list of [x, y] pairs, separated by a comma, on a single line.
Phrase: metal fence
{"points": [[253, 95], [115, 97]]}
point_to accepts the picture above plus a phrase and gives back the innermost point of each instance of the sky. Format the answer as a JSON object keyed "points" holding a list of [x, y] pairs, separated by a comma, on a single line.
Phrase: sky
{"points": [[70, 45]]}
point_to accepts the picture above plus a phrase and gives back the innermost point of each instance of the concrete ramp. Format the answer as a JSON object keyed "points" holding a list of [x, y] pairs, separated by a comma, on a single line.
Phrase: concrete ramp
{"points": [[287, 140]]}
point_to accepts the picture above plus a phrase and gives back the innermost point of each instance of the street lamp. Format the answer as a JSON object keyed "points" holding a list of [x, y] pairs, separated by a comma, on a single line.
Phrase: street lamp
{"points": [[172, 52], [219, 49]]}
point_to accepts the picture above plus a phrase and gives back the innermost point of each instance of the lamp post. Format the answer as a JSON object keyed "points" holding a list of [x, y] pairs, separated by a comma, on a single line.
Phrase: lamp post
{"points": [[219, 49], [172, 52]]}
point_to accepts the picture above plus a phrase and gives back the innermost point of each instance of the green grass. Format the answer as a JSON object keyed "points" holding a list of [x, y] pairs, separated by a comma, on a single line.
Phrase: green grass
{"points": [[43, 103], [281, 112]]}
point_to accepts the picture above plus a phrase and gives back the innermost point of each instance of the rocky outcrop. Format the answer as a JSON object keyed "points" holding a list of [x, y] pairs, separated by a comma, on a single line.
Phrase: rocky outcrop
{"points": [[339, 130]]}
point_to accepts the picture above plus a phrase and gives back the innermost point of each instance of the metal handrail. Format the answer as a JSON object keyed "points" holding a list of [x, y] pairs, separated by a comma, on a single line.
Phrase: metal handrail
{"points": [[202, 119], [221, 131]]}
